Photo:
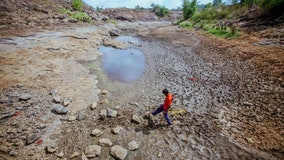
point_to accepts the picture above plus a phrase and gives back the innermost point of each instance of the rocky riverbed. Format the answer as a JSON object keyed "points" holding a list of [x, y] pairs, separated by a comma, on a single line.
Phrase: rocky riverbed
{"points": [[58, 103]]}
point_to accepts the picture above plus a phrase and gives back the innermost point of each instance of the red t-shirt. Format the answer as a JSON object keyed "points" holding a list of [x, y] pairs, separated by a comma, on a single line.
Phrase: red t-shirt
{"points": [[168, 102]]}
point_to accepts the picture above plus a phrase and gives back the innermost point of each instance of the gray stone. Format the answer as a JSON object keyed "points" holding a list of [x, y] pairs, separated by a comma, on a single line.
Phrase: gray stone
{"points": [[61, 154], [51, 148], [103, 113], [83, 157], [116, 130], [56, 99], [25, 97], [159, 155], [105, 142], [59, 109], [96, 132], [111, 113], [133, 146], [75, 154], [72, 118], [31, 138], [93, 151], [54, 92], [66, 102], [104, 101], [94, 105], [118, 152], [136, 119]]}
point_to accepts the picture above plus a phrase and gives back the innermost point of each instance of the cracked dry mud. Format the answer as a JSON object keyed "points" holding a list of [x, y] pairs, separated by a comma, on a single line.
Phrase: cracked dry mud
{"points": [[228, 95]]}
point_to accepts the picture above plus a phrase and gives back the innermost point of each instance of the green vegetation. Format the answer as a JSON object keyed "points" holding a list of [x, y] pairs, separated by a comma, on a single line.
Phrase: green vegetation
{"points": [[189, 8], [224, 33], [65, 11], [161, 11], [99, 9], [218, 19], [113, 22], [77, 4], [80, 16], [139, 8]]}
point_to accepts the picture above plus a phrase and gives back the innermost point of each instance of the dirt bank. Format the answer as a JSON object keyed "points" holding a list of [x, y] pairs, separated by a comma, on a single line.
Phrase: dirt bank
{"points": [[228, 104]]}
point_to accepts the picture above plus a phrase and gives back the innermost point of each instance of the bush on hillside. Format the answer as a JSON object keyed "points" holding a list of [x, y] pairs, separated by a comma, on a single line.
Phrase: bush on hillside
{"points": [[77, 4], [160, 11]]}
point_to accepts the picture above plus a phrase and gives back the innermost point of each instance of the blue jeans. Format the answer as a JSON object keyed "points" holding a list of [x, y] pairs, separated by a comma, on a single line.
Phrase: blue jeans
{"points": [[159, 110]]}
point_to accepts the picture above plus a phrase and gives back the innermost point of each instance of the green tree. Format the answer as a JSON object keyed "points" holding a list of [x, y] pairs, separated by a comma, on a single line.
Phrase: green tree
{"points": [[217, 2], [77, 4], [161, 11], [189, 8]]}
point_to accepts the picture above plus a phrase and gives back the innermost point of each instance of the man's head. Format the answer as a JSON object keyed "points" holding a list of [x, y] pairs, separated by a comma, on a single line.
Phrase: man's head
{"points": [[165, 92]]}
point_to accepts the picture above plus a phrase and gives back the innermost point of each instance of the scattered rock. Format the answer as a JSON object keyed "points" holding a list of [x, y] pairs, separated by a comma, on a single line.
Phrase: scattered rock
{"points": [[247, 103], [116, 130], [159, 155], [134, 104], [96, 132], [72, 118], [54, 92], [81, 116], [6, 100], [13, 153], [94, 105], [75, 154], [111, 113], [7, 115], [103, 113], [83, 157], [117, 107], [25, 97], [104, 92], [93, 151], [105, 142], [104, 101], [61, 154], [136, 119], [51, 148], [118, 152], [31, 138], [59, 109], [56, 99], [133, 146], [66, 102]]}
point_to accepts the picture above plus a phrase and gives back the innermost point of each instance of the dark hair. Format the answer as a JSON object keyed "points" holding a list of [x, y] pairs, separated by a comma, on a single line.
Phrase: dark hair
{"points": [[165, 91]]}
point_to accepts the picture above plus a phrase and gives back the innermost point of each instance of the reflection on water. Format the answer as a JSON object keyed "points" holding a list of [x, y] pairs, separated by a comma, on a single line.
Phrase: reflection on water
{"points": [[123, 65]]}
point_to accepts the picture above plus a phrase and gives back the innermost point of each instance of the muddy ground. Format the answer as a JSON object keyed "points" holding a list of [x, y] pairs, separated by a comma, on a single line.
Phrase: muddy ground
{"points": [[228, 95]]}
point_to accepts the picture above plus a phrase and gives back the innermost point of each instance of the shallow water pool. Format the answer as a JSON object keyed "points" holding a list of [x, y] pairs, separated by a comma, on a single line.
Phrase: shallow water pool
{"points": [[124, 65]]}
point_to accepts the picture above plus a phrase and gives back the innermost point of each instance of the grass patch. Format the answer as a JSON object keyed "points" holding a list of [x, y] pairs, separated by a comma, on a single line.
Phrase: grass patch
{"points": [[113, 22], [78, 15], [81, 16], [65, 11], [223, 33]]}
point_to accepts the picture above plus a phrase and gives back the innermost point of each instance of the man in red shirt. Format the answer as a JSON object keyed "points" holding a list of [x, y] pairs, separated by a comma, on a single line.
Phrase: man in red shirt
{"points": [[165, 107]]}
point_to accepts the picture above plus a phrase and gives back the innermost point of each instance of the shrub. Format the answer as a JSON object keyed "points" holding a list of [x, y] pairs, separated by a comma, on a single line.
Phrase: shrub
{"points": [[160, 11], [77, 5], [189, 8], [66, 11], [81, 16]]}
